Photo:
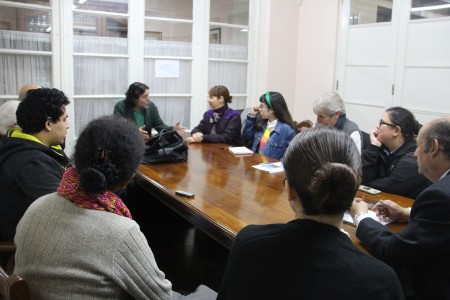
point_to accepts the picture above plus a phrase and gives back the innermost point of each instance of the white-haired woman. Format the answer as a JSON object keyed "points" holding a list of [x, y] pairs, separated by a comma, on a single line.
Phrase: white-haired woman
{"points": [[8, 116], [330, 111]]}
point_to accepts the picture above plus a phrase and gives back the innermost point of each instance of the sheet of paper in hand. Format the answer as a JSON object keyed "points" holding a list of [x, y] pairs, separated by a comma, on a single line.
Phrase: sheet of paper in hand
{"points": [[349, 220]]}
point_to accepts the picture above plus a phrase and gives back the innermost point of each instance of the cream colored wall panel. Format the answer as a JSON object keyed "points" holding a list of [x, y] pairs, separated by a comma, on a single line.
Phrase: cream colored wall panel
{"points": [[424, 117], [429, 43], [367, 117], [367, 85], [427, 90], [369, 45]]}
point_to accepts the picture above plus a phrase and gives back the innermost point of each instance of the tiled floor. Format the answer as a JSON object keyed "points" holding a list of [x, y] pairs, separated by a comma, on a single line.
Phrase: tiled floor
{"points": [[187, 256]]}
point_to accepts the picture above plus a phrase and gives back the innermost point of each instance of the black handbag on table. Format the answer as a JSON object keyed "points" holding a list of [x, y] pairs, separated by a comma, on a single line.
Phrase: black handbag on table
{"points": [[167, 146]]}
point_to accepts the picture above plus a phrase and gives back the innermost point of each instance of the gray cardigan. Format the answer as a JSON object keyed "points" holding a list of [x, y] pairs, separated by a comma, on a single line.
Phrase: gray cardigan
{"points": [[68, 252]]}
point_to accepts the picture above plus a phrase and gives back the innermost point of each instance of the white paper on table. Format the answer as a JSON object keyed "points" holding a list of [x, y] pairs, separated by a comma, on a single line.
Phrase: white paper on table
{"points": [[271, 167]]}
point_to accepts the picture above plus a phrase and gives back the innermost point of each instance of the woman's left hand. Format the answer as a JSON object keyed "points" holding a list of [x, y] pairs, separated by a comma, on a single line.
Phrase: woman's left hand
{"points": [[198, 137], [373, 138], [358, 206], [178, 127], [195, 138]]}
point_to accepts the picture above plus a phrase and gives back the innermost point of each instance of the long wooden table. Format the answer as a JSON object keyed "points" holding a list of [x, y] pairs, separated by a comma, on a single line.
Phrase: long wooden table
{"points": [[229, 192]]}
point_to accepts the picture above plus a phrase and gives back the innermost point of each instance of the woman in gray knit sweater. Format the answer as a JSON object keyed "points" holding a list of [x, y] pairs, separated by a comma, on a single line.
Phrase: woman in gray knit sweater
{"points": [[81, 242]]}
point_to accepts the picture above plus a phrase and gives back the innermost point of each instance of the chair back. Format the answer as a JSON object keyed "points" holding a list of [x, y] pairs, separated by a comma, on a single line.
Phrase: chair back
{"points": [[13, 287], [365, 137], [7, 250], [244, 113], [303, 125]]}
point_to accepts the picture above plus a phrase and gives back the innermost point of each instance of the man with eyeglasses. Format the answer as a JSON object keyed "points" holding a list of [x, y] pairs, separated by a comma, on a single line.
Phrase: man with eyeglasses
{"points": [[420, 253]]}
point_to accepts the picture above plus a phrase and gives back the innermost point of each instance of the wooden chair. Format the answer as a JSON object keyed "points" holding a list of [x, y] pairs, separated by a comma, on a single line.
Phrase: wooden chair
{"points": [[7, 247], [7, 250], [365, 140], [13, 287], [303, 125]]}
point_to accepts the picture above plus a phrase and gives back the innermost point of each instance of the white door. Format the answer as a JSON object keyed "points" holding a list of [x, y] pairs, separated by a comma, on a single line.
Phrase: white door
{"points": [[390, 56]]}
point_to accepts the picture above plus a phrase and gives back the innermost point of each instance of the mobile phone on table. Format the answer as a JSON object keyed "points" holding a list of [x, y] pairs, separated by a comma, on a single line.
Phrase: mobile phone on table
{"points": [[184, 194], [369, 190]]}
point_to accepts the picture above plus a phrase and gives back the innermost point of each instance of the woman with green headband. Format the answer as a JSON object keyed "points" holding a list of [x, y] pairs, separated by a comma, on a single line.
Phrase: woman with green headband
{"points": [[272, 136]]}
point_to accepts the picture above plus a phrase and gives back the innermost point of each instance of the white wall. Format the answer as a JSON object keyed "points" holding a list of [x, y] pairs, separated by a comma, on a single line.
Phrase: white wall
{"points": [[297, 51], [277, 49], [283, 48], [316, 54]]}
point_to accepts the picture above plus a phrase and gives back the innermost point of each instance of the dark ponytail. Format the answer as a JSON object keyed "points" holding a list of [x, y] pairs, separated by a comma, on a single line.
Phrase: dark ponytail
{"points": [[405, 120], [323, 166], [107, 153]]}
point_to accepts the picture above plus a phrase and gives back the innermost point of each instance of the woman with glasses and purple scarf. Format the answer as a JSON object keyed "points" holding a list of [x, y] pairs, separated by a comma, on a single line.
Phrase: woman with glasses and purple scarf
{"points": [[388, 162], [220, 124]]}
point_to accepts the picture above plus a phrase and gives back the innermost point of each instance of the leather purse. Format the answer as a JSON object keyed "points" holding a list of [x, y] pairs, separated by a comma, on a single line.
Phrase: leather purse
{"points": [[167, 146]]}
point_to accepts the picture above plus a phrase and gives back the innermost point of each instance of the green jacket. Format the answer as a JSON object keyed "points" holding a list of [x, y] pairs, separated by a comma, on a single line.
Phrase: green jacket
{"points": [[151, 116]]}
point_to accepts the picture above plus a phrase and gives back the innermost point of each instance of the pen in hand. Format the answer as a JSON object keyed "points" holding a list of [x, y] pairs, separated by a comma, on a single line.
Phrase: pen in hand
{"points": [[377, 205], [380, 210]]}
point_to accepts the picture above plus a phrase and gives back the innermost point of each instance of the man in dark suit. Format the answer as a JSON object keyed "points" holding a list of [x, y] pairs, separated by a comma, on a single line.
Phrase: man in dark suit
{"points": [[421, 252]]}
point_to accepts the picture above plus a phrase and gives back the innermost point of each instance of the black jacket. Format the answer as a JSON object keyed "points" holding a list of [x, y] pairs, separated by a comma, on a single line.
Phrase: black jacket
{"points": [[228, 128], [420, 252], [303, 259], [396, 173], [28, 170]]}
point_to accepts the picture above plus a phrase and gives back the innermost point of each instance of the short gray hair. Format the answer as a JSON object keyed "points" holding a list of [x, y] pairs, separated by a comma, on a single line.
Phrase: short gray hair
{"points": [[438, 129], [329, 103], [8, 115]]}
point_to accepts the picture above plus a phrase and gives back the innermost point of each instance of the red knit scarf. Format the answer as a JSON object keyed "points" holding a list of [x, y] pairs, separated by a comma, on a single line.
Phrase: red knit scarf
{"points": [[107, 201]]}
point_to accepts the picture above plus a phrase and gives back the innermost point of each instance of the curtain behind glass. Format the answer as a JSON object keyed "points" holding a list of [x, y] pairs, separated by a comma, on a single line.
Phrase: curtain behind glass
{"points": [[16, 70], [109, 76]]}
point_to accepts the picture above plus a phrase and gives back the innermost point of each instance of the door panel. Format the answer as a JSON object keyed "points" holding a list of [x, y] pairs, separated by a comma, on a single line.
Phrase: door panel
{"points": [[399, 63]]}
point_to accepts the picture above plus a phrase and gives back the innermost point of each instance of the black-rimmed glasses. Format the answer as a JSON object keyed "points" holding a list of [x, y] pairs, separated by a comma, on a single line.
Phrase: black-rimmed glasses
{"points": [[388, 124]]}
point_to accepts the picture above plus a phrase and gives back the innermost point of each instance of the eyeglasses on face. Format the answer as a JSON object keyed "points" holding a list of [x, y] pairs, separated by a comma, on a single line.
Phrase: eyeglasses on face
{"points": [[388, 124]]}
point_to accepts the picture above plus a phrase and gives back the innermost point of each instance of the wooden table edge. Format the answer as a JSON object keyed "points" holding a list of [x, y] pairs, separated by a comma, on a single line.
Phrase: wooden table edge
{"points": [[181, 205]]}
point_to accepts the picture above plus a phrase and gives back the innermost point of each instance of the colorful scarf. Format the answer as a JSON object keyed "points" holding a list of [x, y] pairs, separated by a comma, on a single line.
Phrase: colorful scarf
{"points": [[107, 201], [263, 141]]}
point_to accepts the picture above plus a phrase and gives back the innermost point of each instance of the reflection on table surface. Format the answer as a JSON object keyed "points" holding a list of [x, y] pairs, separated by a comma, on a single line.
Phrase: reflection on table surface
{"points": [[229, 192]]}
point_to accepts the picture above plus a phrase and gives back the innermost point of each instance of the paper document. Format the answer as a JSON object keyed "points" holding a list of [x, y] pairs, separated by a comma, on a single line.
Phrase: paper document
{"points": [[271, 167], [240, 151], [349, 220]]}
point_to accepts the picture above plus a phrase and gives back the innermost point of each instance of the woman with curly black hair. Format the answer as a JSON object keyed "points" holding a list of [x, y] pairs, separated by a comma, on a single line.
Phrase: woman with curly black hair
{"points": [[144, 113], [81, 242]]}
